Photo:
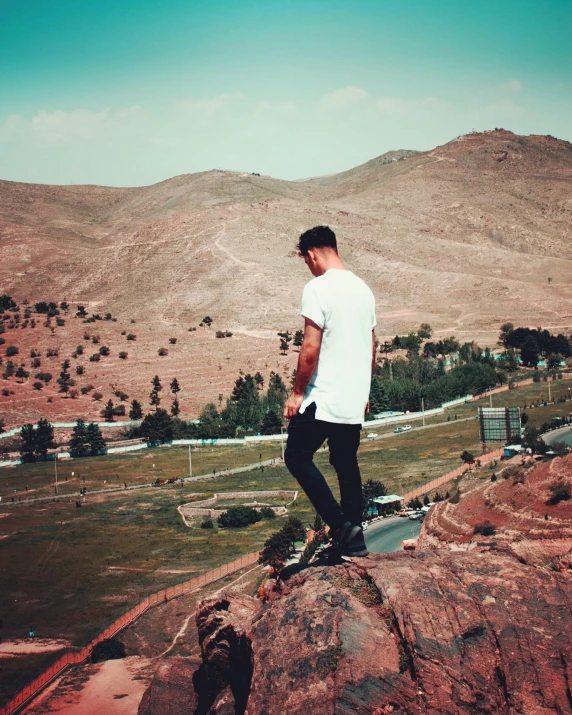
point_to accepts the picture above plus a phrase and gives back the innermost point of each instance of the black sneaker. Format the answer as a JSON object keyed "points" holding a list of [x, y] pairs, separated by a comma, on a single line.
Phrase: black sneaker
{"points": [[349, 540], [356, 546]]}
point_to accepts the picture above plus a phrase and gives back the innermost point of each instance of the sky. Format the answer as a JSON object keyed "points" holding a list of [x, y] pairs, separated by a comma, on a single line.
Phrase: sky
{"points": [[133, 92]]}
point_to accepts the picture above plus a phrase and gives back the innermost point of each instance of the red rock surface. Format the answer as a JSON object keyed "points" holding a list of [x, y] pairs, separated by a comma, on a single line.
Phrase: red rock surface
{"points": [[517, 505], [435, 633], [478, 625]]}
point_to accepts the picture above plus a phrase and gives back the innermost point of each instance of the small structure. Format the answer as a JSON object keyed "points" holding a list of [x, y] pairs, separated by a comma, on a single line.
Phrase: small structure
{"points": [[389, 501], [511, 450]]}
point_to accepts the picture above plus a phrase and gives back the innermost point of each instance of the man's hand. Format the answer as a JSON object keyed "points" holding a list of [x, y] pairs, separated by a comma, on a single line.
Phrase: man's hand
{"points": [[292, 405]]}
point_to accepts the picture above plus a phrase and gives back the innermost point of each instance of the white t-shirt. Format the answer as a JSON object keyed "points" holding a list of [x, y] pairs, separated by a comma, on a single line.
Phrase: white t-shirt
{"points": [[343, 305]]}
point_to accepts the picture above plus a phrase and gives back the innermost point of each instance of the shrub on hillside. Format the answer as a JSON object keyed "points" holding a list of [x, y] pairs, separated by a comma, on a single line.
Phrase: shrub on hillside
{"points": [[207, 524], [104, 350], [96, 357], [131, 336], [43, 376], [109, 649], [267, 512], [123, 355], [239, 516], [38, 385], [79, 370], [97, 396], [172, 341], [11, 350], [485, 528], [86, 389], [560, 491], [163, 351]]}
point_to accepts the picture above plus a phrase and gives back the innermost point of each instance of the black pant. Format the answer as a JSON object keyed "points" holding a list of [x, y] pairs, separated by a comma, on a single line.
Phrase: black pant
{"points": [[306, 435]]}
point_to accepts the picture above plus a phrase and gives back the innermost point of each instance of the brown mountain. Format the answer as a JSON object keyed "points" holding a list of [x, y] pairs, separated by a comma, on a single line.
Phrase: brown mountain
{"points": [[468, 235]]}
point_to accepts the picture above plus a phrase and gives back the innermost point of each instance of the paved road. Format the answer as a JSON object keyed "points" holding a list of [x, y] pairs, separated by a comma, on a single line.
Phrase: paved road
{"points": [[384, 537], [559, 435]]}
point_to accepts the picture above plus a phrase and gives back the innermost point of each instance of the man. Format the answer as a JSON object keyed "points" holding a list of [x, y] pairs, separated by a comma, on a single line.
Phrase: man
{"points": [[331, 390]]}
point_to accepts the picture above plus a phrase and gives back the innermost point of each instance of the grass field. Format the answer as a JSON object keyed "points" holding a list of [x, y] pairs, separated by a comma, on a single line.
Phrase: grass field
{"points": [[69, 571]]}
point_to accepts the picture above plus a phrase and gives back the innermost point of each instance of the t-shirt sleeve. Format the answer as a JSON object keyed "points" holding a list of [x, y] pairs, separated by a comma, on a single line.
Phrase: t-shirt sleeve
{"points": [[312, 308]]}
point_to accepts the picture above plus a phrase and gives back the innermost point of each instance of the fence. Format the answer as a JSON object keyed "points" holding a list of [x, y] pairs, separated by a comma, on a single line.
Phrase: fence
{"points": [[449, 476], [126, 619]]}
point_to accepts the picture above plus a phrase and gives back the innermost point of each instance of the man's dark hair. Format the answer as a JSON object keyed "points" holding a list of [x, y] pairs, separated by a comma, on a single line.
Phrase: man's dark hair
{"points": [[317, 237]]}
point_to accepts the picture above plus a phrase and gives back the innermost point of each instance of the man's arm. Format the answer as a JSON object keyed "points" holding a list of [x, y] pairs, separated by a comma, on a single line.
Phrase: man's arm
{"points": [[307, 361]]}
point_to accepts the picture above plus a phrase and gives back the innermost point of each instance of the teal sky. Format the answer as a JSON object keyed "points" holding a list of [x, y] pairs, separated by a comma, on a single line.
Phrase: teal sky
{"points": [[131, 92]]}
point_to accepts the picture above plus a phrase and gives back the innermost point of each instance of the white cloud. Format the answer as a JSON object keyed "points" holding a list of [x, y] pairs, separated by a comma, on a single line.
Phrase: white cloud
{"points": [[343, 97], [207, 108]]}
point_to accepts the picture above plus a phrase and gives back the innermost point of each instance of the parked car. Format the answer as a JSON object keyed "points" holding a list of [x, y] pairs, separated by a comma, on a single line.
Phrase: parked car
{"points": [[416, 515], [406, 428], [404, 512], [397, 430]]}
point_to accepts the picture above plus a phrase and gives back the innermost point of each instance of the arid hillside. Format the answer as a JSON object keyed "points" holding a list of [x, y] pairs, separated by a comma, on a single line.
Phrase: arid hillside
{"points": [[473, 233]]}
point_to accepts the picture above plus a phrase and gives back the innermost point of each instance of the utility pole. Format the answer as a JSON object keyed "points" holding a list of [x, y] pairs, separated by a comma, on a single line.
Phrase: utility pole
{"points": [[549, 390], [190, 463], [423, 410], [56, 470]]}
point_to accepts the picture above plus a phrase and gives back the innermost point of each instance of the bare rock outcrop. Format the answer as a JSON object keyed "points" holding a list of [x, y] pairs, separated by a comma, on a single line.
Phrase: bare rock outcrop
{"points": [[441, 632], [516, 510]]}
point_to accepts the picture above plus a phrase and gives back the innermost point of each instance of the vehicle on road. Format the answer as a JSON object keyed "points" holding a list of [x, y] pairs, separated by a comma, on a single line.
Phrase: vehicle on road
{"points": [[409, 544], [407, 428], [157, 482], [404, 512], [364, 525], [416, 515], [404, 428]]}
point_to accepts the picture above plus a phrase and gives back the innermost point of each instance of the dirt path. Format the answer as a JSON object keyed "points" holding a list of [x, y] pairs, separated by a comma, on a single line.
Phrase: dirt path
{"points": [[111, 688]]}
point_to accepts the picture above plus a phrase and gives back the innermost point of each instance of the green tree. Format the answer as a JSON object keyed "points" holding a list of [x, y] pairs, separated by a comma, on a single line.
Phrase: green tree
{"points": [[378, 396], [275, 551], [175, 409], [259, 380], [157, 427], [107, 412], [467, 457], [175, 387], [529, 352], [154, 394], [298, 338], [28, 443], [293, 530], [424, 331], [271, 423], [44, 438], [79, 446], [209, 422], [21, 373], [135, 412], [95, 439], [64, 380], [276, 395]]}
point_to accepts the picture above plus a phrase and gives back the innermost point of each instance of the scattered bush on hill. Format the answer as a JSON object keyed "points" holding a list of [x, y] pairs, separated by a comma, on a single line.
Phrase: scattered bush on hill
{"points": [[267, 512], [560, 491], [11, 350], [97, 396], [485, 528], [123, 355], [239, 516], [163, 351], [207, 524]]}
